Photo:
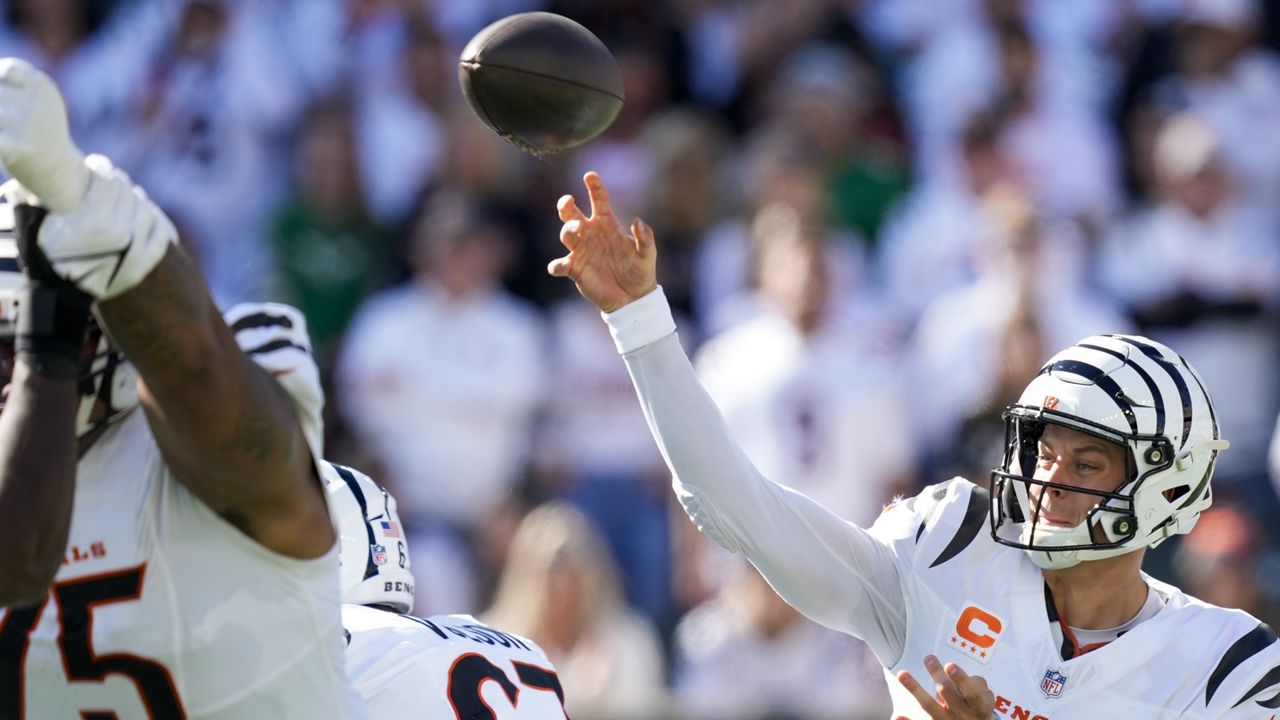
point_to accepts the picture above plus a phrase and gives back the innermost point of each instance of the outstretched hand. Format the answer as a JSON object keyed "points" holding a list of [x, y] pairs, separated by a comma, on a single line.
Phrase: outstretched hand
{"points": [[959, 696], [610, 266]]}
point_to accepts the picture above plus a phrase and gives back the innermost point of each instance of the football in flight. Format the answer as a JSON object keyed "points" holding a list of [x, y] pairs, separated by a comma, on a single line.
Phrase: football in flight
{"points": [[541, 81]]}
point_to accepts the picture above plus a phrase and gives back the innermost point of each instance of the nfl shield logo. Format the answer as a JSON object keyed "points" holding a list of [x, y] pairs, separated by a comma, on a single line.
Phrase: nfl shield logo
{"points": [[379, 554], [1052, 684]]}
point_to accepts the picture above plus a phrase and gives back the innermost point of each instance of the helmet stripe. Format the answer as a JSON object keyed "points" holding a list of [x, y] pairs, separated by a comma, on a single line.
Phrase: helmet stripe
{"points": [[1213, 417], [1156, 398], [370, 569], [1184, 394], [1104, 383]]}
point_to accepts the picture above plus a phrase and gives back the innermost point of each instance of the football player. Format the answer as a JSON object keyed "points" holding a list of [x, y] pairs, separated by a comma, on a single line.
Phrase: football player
{"points": [[405, 666], [165, 544], [1109, 450]]}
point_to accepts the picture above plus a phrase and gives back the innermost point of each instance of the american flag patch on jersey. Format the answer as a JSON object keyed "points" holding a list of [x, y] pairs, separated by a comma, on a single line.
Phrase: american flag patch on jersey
{"points": [[391, 529]]}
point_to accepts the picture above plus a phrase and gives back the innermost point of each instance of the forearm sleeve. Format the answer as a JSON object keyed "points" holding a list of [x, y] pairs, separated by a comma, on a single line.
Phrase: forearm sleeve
{"points": [[829, 569]]}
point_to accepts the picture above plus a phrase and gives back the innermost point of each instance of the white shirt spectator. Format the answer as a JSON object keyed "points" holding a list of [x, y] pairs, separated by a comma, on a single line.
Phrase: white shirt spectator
{"points": [[1231, 255], [443, 392], [729, 665], [824, 412]]}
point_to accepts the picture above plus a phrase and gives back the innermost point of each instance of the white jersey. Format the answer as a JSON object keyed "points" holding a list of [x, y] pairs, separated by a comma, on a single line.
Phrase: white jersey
{"points": [[410, 667], [928, 579], [162, 610]]}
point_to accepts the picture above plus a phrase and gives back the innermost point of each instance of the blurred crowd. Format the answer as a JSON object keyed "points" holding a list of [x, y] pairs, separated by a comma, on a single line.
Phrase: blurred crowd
{"points": [[876, 217]]}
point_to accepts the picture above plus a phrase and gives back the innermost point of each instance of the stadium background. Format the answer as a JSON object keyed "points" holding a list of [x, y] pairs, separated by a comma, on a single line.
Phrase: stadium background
{"points": [[876, 218]]}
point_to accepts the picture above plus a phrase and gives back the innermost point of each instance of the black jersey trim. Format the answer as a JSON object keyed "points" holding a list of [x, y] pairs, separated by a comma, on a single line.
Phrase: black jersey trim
{"points": [[975, 517], [260, 320], [1271, 679], [1252, 643]]}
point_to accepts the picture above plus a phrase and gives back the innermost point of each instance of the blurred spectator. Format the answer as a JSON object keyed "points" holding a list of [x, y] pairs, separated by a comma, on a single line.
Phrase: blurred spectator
{"points": [[686, 197], [930, 243], [1219, 562], [1200, 270], [1225, 76], [440, 379], [778, 167], [560, 588], [1061, 151], [220, 98], [99, 53], [399, 120], [330, 253], [818, 407], [976, 347], [832, 98], [746, 653]]}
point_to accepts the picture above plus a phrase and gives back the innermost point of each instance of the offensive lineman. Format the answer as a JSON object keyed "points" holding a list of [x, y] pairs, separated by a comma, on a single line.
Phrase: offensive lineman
{"points": [[404, 666], [174, 562], [1109, 450]]}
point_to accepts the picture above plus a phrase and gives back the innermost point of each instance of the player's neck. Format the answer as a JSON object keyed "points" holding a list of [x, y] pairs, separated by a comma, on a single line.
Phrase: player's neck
{"points": [[1099, 594]]}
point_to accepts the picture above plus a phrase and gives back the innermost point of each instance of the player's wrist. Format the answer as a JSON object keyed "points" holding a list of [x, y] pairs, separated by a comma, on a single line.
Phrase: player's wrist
{"points": [[52, 321], [116, 223], [641, 322]]}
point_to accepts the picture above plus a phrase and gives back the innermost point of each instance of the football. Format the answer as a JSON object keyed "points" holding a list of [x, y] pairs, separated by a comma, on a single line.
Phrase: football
{"points": [[541, 81]]}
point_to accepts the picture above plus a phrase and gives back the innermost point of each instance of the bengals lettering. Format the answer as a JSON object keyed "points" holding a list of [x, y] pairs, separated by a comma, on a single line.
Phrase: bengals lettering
{"points": [[1006, 707]]}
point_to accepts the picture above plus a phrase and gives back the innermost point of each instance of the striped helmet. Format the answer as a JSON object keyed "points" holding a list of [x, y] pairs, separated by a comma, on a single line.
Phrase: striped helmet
{"points": [[372, 554], [1127, 390]]}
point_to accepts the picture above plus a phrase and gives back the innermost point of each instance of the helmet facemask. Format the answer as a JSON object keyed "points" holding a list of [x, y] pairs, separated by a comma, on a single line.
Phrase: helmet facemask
{"points": [[1101, 389]]}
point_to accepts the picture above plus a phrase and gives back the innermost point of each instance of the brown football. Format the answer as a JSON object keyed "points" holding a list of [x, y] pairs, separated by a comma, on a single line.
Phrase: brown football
{"points": [[541, 81]]}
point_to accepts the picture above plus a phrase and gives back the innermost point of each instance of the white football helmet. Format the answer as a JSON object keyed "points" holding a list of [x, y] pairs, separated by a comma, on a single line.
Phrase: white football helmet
{"points": [[1127, 390], [108, 383], [373, 555]]}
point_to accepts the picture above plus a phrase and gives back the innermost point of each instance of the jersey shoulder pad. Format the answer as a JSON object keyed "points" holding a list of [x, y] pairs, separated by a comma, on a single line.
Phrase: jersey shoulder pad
{"points": [[275, 337], [940, 522]]}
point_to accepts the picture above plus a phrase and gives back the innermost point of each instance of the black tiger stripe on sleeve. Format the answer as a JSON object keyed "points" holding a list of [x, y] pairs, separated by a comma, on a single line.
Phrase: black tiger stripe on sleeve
{"points": [[261, 320], [274, 345], [975, 516], [1250, 644]]}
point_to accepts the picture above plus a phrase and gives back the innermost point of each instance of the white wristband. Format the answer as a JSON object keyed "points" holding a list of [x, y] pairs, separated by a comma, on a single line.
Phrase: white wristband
{"points": [[640, 322]]}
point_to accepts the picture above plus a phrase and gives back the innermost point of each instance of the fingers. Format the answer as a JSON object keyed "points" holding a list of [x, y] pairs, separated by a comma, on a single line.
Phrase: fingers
{"points": [[559, 267], [922, 696], [601, 206], [947, 690], [568, 209], [973, 688], [643, 235]]}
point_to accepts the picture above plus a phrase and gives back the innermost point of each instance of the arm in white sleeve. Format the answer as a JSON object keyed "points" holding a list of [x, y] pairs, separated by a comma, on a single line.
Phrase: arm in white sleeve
{"points": [[831, 570]]}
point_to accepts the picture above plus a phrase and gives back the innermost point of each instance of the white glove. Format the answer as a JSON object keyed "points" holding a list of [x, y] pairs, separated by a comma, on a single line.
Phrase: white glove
{"points": [[113, 238], [35, 144]]}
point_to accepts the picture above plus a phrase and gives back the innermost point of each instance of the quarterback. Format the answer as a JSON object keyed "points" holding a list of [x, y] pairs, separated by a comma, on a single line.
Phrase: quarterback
{"points": [[1044, 616], [165, 546], [405, 666]]}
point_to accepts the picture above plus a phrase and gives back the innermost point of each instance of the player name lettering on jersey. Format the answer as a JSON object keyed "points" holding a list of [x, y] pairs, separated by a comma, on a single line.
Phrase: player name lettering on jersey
{"points": [[80, 553], [481, 634], [1014, 711]]}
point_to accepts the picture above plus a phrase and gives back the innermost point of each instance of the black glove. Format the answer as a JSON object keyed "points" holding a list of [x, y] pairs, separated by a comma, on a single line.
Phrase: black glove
{"points": [[53, 314]]}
